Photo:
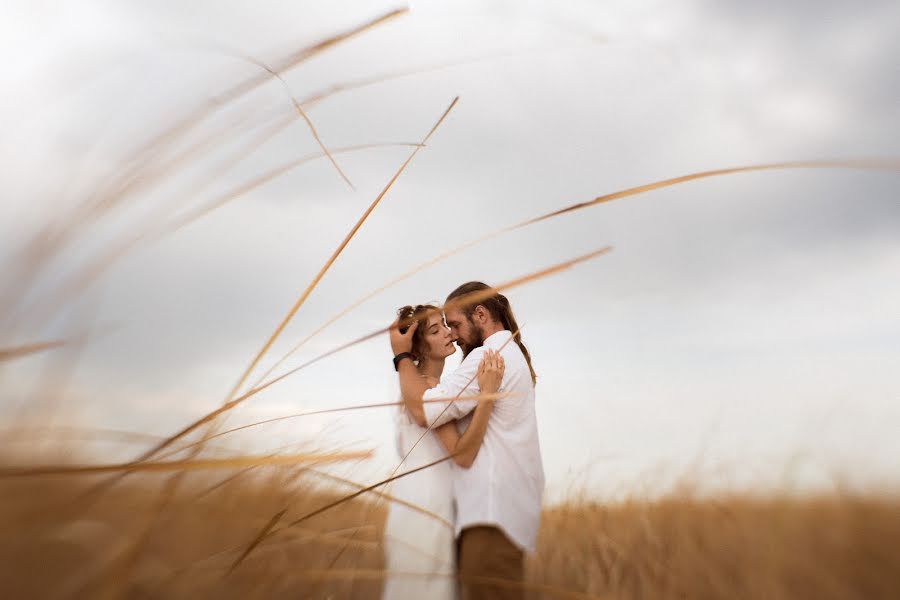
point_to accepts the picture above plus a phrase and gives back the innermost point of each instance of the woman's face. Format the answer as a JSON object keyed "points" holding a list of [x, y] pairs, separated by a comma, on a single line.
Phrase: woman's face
{"points": [[436, 338]]}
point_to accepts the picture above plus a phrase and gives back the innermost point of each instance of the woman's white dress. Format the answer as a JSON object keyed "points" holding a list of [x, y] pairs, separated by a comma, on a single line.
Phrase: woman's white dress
{"points": [[418, 543]]}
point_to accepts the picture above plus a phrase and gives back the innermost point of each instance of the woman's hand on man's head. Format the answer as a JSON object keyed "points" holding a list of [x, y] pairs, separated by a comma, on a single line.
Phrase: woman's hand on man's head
{"points": [[402, 342]]}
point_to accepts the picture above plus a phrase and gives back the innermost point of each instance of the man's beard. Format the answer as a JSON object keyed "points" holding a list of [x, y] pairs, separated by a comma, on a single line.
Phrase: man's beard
{"points": [[477, 340]]}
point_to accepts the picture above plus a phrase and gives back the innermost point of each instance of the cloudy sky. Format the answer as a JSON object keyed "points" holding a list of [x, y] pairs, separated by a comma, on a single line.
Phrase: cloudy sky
{"points": [[744, 329]]}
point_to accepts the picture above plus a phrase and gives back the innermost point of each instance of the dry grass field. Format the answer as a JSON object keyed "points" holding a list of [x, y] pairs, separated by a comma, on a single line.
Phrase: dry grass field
{"points": [[726, 547], [59, 540]]}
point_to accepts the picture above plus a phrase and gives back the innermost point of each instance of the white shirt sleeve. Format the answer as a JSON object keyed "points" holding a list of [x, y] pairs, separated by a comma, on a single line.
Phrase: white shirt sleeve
{"points": [[453, 391]]}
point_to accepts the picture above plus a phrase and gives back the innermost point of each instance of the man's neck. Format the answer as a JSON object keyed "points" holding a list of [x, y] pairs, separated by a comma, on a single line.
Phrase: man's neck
{"points": [[492, 328]]}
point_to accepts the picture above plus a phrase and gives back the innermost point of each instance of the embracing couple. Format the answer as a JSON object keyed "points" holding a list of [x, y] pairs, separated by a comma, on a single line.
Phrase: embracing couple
{"points": [[478, 513]]}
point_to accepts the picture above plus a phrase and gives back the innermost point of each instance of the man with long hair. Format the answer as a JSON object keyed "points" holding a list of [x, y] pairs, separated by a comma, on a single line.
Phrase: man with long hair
{"points": [[498, 498]]}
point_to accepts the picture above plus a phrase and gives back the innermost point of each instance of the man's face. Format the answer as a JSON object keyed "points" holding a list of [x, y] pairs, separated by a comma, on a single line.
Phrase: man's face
{"points": [[464, 332]]}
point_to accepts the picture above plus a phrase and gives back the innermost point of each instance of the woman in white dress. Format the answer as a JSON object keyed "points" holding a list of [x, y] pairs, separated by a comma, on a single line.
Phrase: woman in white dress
{"points": [[420, 545]]}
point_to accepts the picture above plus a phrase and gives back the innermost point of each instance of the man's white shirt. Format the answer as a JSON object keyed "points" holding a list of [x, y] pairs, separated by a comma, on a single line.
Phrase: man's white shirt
{"points": [[504, 485]]}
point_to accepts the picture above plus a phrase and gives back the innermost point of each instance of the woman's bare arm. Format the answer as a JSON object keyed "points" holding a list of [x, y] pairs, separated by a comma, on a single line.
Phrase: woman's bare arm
{"points": [[465, 447]]}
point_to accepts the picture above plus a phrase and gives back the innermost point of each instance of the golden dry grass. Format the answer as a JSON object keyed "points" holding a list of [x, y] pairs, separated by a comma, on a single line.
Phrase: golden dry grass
{"points": [[58, 544], [738, 546]]}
